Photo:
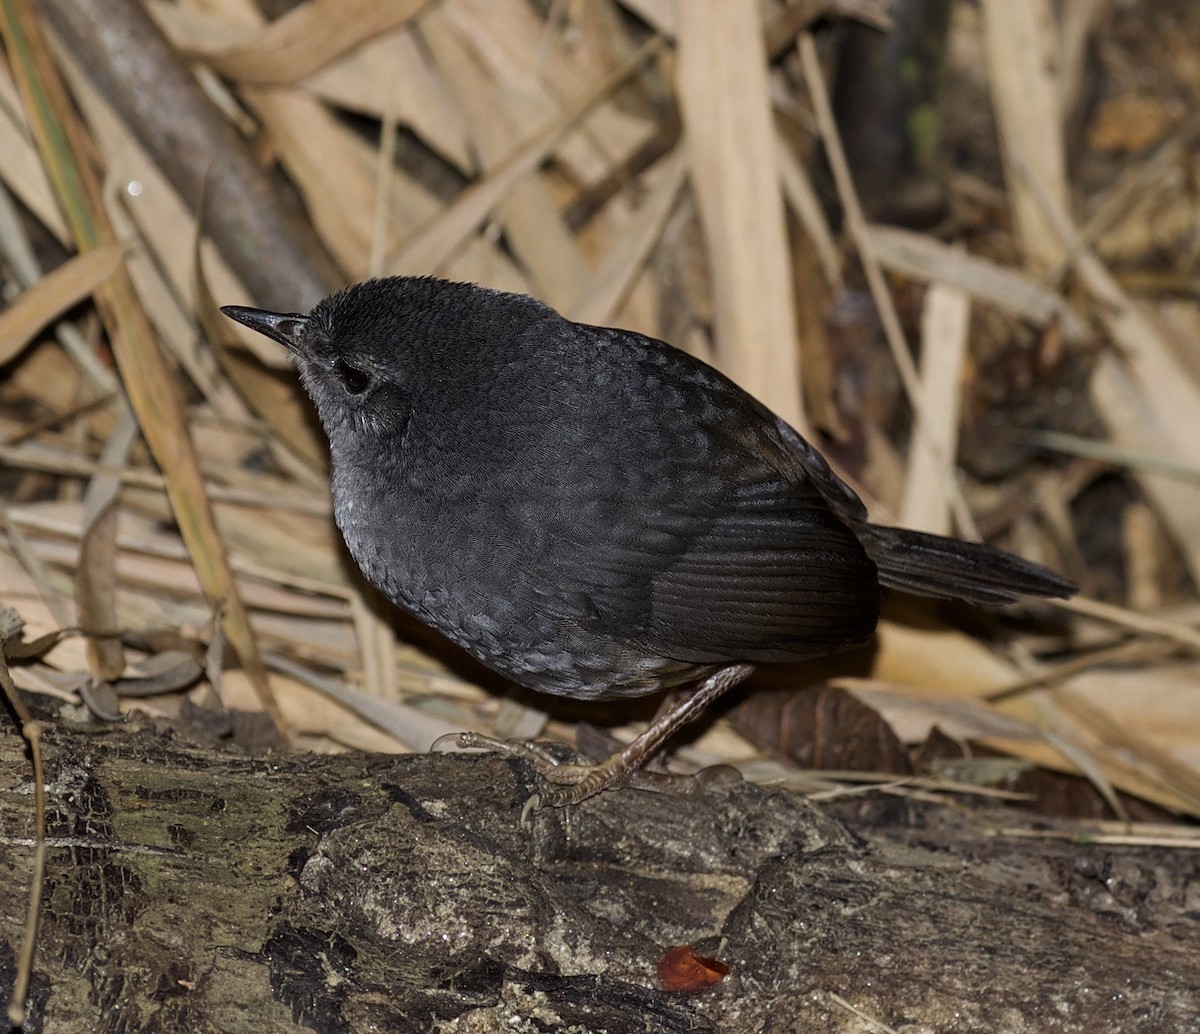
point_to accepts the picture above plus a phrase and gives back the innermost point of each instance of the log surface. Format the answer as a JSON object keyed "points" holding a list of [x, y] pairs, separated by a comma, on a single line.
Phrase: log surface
{"points": [[194, 890]]}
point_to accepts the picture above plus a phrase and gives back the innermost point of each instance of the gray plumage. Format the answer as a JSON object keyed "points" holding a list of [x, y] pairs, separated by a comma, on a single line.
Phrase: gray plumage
{"points": [[589, 511]]}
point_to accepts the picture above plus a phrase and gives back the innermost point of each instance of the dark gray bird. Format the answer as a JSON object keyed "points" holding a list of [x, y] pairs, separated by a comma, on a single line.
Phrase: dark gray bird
{"points": [[591, 512]]}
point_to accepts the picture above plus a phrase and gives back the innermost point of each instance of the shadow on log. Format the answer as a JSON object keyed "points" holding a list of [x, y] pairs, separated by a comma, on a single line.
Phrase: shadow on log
{"points": [[192, 890]]}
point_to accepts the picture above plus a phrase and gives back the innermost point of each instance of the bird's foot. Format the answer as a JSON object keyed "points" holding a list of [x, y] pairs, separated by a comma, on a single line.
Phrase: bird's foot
{"points": [[529, 750], [574, 783]]}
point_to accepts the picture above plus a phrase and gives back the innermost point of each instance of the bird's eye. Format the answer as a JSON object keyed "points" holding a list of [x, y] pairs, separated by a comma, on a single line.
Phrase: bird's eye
{"points": [[354, 380]]}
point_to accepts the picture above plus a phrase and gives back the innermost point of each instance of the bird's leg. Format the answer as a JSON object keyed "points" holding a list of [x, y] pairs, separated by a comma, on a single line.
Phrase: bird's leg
{"points": [[579, 782]]}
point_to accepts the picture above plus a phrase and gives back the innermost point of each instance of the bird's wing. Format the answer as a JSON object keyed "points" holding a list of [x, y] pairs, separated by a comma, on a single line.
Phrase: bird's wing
{"points": [[773, 576], [778, 572], [689, 527], [725, 560]]}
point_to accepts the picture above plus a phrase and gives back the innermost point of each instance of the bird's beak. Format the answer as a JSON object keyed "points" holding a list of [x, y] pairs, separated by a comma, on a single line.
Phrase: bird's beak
{"points": [[285, 327]]}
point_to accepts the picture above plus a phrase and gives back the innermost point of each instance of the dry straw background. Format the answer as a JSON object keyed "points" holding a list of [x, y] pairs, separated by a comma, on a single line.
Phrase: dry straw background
{"points": [[674, 167]]}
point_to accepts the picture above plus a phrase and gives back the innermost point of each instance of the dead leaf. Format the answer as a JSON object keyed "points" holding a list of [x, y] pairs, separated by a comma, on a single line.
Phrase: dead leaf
{"points": [[309, 37], [166, 672], [54, 294], [95, 576], [683, 969]]}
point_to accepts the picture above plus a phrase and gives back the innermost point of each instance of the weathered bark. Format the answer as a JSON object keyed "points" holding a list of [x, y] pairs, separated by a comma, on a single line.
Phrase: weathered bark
{"points": [[189, 890]]}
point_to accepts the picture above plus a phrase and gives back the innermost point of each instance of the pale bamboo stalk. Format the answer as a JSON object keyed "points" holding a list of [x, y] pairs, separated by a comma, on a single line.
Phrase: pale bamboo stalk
{"points": [[945, 322], [725, 101], [1020, 38]]}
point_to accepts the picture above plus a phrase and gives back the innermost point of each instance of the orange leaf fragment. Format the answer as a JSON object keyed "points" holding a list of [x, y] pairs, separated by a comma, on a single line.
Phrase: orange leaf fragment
{"points": [[683, 969]]}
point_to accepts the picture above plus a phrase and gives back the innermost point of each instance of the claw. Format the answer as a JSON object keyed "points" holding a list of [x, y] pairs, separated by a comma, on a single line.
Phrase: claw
{"points": [[441, 742], [532, 805]]}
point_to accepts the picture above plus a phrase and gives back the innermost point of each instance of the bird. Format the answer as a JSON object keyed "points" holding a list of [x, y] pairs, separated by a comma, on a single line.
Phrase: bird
{"points": [[594, 513]]}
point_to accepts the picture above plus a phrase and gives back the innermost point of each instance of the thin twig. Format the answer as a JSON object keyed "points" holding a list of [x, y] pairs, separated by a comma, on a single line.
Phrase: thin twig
{"points": [[1130, 619]]}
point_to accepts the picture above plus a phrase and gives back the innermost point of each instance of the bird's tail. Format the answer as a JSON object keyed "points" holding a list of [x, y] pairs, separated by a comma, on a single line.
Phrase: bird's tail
{"points": [[946, 568]]}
